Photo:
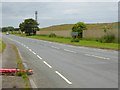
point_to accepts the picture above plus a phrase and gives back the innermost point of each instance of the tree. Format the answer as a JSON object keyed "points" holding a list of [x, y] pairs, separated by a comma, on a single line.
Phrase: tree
{"points": [[9, 28], [4, 29], [79, 27], [29, 26]]}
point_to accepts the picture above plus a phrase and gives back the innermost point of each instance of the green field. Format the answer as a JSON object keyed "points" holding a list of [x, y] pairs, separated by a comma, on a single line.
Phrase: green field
{"points": [[2, 46], [83, 42], [98, 26], [88, 43]]}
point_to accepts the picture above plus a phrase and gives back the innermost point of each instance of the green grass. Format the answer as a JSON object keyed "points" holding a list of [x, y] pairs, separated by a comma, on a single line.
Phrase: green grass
{"points": [[84, 42], [2, 46], [88, 43], [21, 67]]}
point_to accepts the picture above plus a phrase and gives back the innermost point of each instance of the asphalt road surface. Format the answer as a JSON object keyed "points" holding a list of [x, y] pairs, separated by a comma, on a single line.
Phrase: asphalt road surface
{"points": [[58, 65]]}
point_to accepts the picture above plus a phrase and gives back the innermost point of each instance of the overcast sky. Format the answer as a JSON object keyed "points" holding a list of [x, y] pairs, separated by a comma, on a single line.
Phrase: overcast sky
{"points": [[53, 13]]}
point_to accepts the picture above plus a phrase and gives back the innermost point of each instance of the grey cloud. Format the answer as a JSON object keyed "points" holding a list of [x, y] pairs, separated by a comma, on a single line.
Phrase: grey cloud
{"points": [[50, 13]]}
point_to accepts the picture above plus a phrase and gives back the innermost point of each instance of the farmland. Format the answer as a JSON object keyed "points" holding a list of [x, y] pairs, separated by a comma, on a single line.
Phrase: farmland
{"points": [[65, 30]]}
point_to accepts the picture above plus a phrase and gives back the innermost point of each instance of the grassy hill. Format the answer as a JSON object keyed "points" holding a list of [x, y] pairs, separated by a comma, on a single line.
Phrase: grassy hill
{"points": [[97, 26]]}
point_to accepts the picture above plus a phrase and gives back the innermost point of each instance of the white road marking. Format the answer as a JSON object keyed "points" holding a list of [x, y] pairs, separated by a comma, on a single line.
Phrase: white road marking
{"points": [[27, 47], [30, 50], [55, 47], [97, 56], [63, 77], [39, 57], [34, 53], [32, 83], [47, 64], [70, 51], [21, 43]]}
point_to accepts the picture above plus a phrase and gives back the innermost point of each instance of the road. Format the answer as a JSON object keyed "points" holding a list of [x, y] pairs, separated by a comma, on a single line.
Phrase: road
{"points": [[58, 65]]}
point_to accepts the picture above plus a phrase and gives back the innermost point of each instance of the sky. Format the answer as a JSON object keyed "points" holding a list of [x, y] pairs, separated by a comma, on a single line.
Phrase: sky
{"points": [[55, 12]]}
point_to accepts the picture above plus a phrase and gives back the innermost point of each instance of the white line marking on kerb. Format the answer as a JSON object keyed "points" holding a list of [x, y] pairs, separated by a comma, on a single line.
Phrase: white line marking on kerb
{"points": [[63, 77], [32, 83], [39, 57], [47, 64], [97, 56], [70, 51]]}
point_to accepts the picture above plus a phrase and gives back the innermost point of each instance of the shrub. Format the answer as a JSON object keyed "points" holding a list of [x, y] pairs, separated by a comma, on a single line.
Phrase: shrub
{"points": [[75, 40], [52, 35], [107, 39]]}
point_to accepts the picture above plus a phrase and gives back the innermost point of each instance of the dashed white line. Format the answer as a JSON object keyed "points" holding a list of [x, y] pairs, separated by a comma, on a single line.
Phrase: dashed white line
{"points": [[34, 53], [47, 64], [70, 51], [97, 56], [39, 57], [30, 50], [55, 47], [63, 77], [21, 43], [27, 47]]}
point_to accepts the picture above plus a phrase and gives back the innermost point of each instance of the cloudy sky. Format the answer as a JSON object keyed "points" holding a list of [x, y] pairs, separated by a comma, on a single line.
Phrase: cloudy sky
{"points": [[53, 13]]}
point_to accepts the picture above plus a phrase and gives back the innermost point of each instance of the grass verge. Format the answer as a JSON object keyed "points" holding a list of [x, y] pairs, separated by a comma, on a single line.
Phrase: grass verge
{"points": [[2, 46], [87, 43], [83, 42], [21, 67]]}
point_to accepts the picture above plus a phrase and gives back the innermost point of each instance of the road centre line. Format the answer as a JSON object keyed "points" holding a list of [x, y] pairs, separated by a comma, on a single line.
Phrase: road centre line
{"points": [[33, 52], [27, 47], [69, 51], [30, 50], [55, 47], [47, 64], [39, 57], [63, 77], [97, 56]]}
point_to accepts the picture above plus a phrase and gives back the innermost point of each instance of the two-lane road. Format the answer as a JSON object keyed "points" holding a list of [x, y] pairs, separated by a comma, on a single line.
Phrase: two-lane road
{"points": [[58, 65]]}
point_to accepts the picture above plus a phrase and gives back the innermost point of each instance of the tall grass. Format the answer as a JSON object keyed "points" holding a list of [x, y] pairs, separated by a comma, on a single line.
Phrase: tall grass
{"points": [[2, 46]]}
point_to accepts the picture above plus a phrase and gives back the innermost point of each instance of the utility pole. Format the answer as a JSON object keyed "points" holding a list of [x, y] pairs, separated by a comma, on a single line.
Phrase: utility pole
{"points": [[36, 15]]}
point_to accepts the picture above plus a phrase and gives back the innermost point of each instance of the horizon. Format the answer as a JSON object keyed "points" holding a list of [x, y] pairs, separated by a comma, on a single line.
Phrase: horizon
{"points": [[69, 24]]}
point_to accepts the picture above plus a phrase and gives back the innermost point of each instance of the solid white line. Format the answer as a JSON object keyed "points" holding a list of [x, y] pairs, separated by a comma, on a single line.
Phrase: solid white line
{"points": [[70, 51], [39, 57], [47, 64], [63, 77], [97, 56], [32, 83], [55, 47]]}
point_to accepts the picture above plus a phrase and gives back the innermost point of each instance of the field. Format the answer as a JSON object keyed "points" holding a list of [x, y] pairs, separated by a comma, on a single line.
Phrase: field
{"points": [[84, 42], [93, 30], [98, 26]]}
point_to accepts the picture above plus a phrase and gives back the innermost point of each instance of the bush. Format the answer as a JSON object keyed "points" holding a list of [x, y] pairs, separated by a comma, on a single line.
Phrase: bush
{"points": [[75, 40], [107, 39], [52, 35]]}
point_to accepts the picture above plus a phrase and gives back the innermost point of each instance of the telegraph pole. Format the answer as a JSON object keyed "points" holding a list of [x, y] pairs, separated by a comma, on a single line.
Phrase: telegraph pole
{"points": [[36, 15]]}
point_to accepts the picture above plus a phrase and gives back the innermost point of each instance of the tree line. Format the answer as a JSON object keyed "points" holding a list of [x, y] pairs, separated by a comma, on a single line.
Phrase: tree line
{"points": [[28, 26]]}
